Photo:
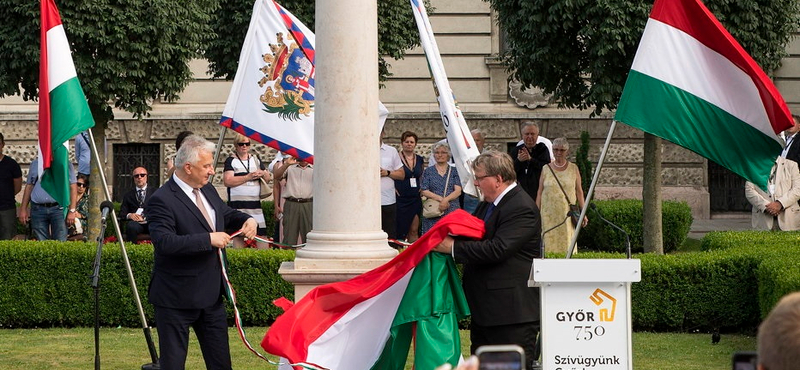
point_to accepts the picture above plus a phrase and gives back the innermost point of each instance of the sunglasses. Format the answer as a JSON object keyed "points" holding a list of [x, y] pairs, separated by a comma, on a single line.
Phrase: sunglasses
{"points": [[80, 184], [139, 175], [243, 144]]}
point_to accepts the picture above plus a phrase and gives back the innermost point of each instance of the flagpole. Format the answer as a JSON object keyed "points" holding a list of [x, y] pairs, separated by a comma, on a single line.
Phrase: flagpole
{"points": [[147, 335], [217, 150], [591, 188]]}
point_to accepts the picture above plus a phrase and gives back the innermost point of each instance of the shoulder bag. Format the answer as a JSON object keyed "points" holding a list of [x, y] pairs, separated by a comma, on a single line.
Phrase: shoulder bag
{"points": [[430, 207]]}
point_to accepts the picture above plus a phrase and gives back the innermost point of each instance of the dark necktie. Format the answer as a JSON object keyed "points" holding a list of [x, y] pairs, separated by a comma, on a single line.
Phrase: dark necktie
{"points": [[141, 197], [489, 211]]}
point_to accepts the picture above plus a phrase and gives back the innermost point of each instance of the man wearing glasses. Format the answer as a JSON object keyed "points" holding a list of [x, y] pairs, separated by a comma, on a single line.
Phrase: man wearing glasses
{"points": [[496, 268], [133, 204]]}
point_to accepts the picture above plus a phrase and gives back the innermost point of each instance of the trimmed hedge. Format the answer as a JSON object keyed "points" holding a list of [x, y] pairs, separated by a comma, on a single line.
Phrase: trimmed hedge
{"points": [[627, 214], [730, 287], [47, 283]]}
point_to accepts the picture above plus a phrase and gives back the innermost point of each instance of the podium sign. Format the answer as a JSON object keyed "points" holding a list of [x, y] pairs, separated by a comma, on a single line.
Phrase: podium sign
{"points": [[586, 312]]}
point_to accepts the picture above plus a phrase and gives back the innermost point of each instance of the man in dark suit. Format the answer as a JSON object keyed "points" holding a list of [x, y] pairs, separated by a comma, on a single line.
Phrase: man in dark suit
{"points": [[496, 269], [132, 209], [792, 148], [188, 220], [529, 158]]}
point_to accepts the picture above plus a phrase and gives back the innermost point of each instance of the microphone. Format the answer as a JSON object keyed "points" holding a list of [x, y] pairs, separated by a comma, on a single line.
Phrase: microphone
{"points": [[541, 241], [627, 237], [105, 209]]}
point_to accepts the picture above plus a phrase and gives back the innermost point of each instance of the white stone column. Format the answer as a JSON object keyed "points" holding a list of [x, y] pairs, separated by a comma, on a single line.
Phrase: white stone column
{"points": [[346, 239]]}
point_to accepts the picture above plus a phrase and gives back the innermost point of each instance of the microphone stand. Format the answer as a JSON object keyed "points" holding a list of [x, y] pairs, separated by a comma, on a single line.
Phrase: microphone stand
{"points": [[96, 287], [541, 245], [627, 237]]}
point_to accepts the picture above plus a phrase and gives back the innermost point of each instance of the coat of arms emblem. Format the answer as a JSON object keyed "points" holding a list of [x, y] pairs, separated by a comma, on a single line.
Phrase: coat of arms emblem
{"points": [[289, 77]]}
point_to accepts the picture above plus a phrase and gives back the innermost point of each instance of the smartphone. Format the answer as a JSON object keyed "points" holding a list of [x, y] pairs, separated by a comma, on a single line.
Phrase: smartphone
{"points": [[745, 360], [501, 357]]}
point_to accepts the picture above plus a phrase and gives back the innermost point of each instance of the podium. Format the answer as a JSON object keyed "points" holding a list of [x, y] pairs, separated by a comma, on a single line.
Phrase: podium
{"points": [[586, 312]]}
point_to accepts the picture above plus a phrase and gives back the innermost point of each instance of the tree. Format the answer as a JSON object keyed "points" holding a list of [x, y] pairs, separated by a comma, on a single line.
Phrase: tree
{"points": [[580, 51], [127, 54], [397, 32]]}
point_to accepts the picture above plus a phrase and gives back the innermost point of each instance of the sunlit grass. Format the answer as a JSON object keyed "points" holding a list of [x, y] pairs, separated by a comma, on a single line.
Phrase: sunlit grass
{"points": [[125, 348]]}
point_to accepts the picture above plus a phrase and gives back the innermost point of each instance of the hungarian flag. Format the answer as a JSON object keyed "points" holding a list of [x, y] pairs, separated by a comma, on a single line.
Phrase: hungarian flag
{"points": [[370, 321], [691, 83], [63, 111]]}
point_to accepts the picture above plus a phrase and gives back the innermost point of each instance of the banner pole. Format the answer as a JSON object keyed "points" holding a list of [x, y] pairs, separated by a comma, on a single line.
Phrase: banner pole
{"points": [[217, 150], [591, 188]]}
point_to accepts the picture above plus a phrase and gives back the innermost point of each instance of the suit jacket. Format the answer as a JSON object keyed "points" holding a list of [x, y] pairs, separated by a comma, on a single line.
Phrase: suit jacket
{"points": [[528, 173], [794, 149], [787, 191], [496, 268], [186, 268], [130, 202]]}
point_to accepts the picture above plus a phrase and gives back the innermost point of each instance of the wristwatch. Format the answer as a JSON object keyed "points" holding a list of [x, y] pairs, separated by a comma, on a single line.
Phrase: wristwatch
{"points": [[73, 210]]}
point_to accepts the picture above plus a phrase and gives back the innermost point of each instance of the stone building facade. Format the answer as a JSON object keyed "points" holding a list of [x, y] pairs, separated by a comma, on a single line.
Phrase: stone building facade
{"points": [[469, 40]]}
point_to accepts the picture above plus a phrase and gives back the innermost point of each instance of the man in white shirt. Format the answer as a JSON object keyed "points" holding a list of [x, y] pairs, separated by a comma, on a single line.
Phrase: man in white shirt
{"points": [[391, 169]]}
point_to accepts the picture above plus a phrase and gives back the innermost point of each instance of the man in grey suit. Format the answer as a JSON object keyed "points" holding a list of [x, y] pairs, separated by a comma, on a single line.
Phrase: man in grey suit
{"points": [[496, 268], [188, 224]]}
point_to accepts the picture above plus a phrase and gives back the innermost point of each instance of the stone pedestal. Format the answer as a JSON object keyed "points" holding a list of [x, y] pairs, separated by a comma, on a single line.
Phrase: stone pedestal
{"points": [[346, 239]]}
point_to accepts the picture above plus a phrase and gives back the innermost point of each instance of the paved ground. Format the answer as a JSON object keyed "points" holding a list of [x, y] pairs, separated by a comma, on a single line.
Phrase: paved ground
{"points": [[720, 222]]}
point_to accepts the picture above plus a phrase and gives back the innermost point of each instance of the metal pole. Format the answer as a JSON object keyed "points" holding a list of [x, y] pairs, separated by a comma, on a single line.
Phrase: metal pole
{"points": [[591, 188], [145, 327], [217, 150]]}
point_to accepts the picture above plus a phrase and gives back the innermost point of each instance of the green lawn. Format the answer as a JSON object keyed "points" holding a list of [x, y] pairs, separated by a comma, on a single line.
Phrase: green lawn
{"points": [[125, 348]]}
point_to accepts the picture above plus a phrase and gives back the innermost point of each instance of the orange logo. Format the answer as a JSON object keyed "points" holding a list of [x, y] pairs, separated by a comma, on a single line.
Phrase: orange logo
{"points": [[606, 313]]}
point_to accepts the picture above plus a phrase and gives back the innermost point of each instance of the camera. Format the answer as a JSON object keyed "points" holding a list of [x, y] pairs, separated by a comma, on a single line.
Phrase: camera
{"points": [[745, 360], [501, 357]]}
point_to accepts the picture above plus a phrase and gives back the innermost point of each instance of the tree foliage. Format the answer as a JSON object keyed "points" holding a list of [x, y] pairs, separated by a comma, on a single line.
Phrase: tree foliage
{"points": [[397, 32], [126, 52], [580, 51]]}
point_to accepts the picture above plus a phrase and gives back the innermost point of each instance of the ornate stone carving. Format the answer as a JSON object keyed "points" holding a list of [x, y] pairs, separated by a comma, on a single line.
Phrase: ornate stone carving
{"points": [[531, 98]]}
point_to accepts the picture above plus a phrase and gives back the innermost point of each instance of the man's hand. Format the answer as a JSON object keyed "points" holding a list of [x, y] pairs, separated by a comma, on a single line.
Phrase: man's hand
{"points": [[220, 239], [774, 208], [249, 228], [523, 155], [23, 215], [446, 246], [135, 217], [71, 218]]}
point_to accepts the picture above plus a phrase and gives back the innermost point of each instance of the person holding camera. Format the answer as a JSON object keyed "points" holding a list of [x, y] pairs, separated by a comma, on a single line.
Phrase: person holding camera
{"points": [[496, 268]]}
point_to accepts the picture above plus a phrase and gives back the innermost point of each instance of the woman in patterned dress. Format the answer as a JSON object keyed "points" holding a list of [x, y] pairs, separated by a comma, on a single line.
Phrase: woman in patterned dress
{"points": [[552, 203], [433, 184]]}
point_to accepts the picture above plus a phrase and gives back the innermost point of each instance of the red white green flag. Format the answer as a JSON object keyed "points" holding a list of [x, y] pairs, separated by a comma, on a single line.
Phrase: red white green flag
{"points": [[63, 110], [371, 321], [691, 83]]}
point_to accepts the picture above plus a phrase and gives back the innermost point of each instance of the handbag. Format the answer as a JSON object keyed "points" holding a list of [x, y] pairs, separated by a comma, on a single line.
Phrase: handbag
{"points": [[266, 190], [574, 211], [430, 207]]}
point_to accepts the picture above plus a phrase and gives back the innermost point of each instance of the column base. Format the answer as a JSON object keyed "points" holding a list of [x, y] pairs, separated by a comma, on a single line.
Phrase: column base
{"points": [[306, 274]]}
